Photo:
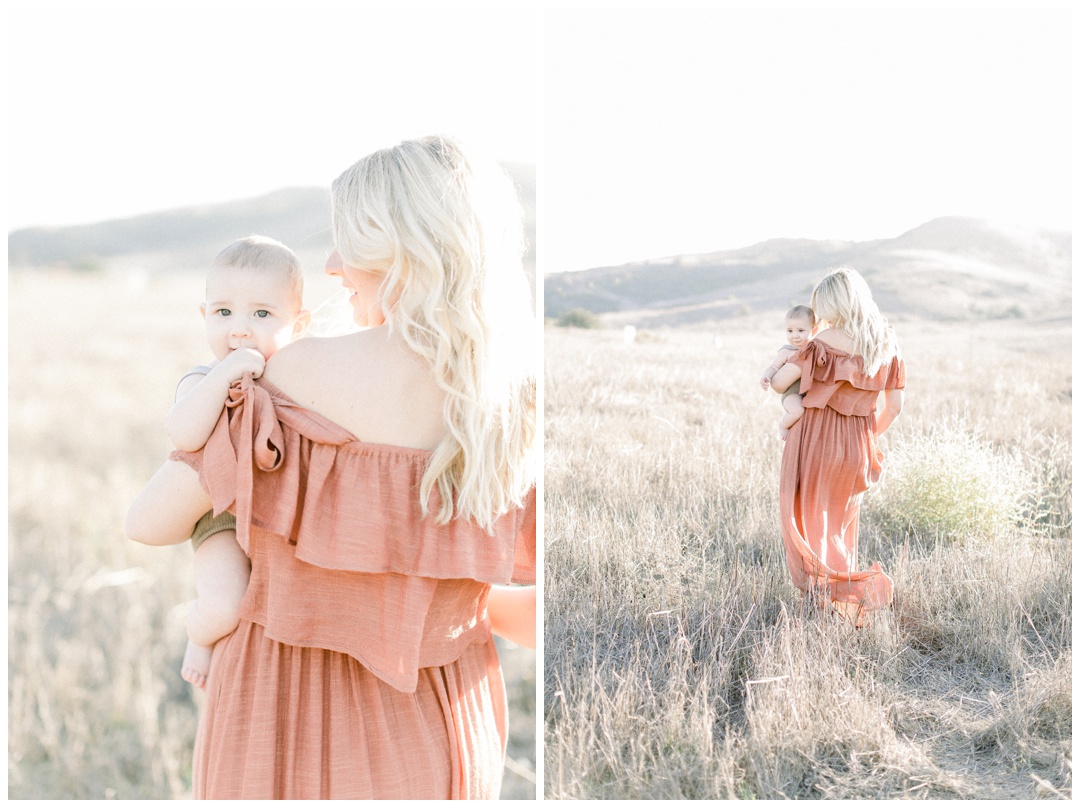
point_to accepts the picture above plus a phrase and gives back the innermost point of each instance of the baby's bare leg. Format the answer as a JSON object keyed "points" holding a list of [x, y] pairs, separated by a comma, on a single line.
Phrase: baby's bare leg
{"points": [[793, 411], [221, 578]]}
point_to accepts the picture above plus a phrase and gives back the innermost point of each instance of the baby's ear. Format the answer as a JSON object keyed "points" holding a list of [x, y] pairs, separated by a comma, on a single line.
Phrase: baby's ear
{"points": [[202, 309], [303, 320]]}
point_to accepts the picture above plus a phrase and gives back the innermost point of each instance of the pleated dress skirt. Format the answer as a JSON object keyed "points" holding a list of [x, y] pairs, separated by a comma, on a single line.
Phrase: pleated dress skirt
{"points": [[288, 722]]}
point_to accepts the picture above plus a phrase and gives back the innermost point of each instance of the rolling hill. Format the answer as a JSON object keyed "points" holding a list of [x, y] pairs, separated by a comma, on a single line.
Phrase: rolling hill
{"points": [[187, 238], [948, 268]]}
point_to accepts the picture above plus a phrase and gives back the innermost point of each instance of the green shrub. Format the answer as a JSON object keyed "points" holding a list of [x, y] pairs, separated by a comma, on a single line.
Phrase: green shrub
{"points": [[579, 318], [948, 485]]}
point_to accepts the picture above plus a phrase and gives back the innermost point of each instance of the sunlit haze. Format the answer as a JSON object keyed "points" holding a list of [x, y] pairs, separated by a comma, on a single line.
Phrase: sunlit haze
{"points": [[116, 112], [658, 132], [699, 130]]}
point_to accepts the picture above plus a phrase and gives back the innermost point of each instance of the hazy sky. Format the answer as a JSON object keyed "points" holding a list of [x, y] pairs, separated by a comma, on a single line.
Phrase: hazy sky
{"points": [[114, 112], [698, 130], [657, 132]]}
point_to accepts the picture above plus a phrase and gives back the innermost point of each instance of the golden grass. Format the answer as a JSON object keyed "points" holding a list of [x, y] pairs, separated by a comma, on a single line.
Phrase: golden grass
{"points": [[96, 706], [679, 660]]}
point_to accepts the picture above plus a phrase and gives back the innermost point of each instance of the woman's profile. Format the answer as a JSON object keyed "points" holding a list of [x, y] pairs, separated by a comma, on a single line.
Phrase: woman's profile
{"points": [[383, 487], [831, 455]]}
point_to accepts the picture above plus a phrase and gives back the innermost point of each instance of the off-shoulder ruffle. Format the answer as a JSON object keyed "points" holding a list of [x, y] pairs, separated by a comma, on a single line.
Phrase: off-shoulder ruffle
{"points": [[342, 558], [833, 378], [346, 504]]}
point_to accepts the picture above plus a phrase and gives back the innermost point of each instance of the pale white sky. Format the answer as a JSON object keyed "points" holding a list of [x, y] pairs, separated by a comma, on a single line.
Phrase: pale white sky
{"points": [[658, 132], [683, 131], [119, 111]]}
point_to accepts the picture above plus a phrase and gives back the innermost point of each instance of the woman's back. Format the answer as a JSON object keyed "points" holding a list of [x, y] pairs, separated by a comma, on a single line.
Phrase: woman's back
{"points": [[369, 383]]}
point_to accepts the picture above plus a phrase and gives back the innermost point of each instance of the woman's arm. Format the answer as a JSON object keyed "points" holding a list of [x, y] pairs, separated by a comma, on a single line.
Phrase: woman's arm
{"points": [[168, 507], [785, 377], [894, 403], [512, 610]]}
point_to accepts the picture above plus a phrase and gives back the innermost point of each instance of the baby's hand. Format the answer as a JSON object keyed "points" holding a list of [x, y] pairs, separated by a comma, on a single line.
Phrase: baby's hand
{"points": [[241, 361], [765, 382]]}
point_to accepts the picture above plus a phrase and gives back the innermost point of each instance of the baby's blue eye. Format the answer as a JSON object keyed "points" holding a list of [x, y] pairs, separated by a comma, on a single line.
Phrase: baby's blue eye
{"points": [[262, 313], [224, 312]]}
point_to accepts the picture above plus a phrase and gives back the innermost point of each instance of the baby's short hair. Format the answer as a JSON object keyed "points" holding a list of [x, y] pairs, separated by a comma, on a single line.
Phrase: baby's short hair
{"points": [[800, 312], [260, 252]]}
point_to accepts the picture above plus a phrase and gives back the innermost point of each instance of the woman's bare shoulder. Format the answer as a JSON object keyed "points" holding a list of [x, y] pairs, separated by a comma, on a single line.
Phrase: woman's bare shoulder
{"points": [[352, 356], [295, 352], [834, 339], [366, 382], [295, 356], [301, 368]]}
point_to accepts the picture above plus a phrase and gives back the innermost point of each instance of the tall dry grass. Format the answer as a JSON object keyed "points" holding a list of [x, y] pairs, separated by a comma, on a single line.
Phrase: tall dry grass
{"points": [[679, 660], [96, 706]]}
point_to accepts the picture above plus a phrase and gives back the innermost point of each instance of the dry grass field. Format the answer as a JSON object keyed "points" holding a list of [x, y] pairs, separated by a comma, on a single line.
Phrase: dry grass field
{"points": [[679, 662], [96, 705]]}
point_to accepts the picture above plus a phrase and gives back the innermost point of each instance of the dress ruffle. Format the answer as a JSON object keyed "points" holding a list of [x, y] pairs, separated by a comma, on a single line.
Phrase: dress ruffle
{"points": [[346, 504], [342, 556], [833, 378]]}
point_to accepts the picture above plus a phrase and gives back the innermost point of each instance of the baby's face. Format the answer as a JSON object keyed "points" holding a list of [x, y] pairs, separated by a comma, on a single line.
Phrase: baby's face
{"points": [[799, 331], [250, 308]]}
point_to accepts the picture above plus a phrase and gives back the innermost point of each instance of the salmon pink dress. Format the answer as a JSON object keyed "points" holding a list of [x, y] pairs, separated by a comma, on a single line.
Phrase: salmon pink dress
{"points": [[363, 666], [831, 458]]}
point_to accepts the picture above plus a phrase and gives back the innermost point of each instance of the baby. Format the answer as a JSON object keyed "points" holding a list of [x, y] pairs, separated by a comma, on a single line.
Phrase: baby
{"points": [[801, 326], [253, 304]]}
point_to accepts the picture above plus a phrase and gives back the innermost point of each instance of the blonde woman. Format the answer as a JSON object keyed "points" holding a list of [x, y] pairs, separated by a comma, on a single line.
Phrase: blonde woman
{"points": [[383, 487], [831, 455]]}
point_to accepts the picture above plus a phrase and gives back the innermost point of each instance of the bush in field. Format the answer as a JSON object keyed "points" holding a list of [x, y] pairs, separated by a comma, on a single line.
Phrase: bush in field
{"points": [[579, 318], [948, 484]]}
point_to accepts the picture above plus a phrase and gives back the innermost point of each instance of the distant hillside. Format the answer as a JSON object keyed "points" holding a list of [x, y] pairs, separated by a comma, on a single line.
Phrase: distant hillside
{"points": [[948, 268], [178, 239], [187, 238]]}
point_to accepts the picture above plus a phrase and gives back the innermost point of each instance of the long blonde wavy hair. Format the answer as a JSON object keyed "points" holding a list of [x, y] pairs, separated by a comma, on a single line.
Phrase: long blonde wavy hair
{"points": [[444, 227], [843, 299]]}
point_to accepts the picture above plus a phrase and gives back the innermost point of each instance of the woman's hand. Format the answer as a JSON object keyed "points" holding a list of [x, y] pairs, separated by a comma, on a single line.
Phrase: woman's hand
{"points": [[168, 507], [512, 610]]}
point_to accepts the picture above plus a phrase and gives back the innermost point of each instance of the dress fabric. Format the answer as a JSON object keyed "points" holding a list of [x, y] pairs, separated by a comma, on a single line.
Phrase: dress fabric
{"points": [[831, 458], [363, 666]]}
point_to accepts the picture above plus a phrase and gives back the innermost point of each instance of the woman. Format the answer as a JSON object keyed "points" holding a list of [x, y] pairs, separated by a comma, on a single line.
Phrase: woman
{"points": [[831, 455], [382, 483]]}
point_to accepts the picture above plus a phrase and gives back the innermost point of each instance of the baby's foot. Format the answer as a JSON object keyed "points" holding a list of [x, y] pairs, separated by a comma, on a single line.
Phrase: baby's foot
{"points": [[196, 665]]}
